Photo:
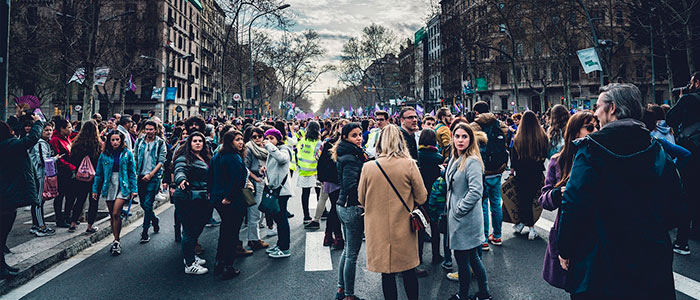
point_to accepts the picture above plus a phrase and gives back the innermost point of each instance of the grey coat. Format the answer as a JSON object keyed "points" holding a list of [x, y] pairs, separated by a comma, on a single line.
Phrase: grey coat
{"points": [[278, 167], [35, 154], [465, 224]]}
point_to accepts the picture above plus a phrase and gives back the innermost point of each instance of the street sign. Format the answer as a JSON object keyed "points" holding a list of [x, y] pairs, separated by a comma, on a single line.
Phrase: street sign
{"points": [[178, 109], [78, 108], [170, 93], [236, 97]]}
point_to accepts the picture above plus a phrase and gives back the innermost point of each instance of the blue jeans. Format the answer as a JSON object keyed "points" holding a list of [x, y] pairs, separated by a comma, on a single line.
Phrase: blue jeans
{"points": [[282, 224], [492, 196], [193, 214], [147, 195], [354, 227]]}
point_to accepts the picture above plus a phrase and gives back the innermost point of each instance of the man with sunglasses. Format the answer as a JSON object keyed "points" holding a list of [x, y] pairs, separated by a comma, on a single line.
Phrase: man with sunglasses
{"points": [[382, 118], [684, 118]]}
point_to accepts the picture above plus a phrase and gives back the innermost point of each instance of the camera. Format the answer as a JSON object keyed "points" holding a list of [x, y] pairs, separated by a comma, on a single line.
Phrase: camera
{"points": [[682, 90]]}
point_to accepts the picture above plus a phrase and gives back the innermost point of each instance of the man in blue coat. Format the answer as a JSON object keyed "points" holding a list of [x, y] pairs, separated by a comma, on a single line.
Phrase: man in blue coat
{"points": [[622, 197]]}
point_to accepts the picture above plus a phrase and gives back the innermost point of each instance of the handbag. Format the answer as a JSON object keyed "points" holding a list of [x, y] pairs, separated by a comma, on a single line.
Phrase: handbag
{"points": [[270, 201], [163, 195], [249, 196], [418, 217], [199, 195]]}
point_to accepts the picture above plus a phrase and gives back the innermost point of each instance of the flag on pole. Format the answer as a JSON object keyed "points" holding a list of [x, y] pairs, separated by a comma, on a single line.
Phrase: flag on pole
{"points": [[432, 112], [376, 107], [589, 60], [342, 110], [78, 76], [132, 86], [101, 75], [419, 109], [457, 108]]}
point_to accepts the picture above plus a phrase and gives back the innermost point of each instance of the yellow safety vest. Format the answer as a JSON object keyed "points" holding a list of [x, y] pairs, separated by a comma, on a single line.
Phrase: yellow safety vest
{"points": [[306, 157], [293, 164]]}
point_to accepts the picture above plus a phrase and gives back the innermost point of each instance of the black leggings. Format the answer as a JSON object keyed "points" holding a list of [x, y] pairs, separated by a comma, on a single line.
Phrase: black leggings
{"points": [[410, 285], [81, 192], [64, 192], [466, 260], [305, 193], [333, 223]]}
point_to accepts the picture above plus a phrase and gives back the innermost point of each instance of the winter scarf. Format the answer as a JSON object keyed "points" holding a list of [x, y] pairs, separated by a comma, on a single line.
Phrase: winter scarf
{"points": [[259, 152]]}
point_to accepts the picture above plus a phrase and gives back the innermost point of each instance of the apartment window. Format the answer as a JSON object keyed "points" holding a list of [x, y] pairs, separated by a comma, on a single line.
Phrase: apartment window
{"points": [[504, 102], [518, 74], [538, 49], [554, 72], [575, 74], [504, 77]]}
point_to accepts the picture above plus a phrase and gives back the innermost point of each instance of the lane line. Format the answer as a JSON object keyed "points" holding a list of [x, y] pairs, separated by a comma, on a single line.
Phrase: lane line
{"points": [[318, 258], [62, 267], [683, 284]]}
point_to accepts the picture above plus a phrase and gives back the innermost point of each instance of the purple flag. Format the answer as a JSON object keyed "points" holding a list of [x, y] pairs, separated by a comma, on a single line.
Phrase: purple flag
{"points": [[132, 86], [432, 112], [457, 108], [376, 107], [419, 109], [342, 110]]}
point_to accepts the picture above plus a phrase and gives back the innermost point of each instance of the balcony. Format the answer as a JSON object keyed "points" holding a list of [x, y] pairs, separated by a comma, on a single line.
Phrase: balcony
{"points": [[207, 90], [206, 70], [190, 79], [171, 21]]}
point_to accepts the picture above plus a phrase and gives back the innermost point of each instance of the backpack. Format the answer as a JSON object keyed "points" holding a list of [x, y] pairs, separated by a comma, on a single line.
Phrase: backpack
{"points": [[86, 172], [494, 153]]}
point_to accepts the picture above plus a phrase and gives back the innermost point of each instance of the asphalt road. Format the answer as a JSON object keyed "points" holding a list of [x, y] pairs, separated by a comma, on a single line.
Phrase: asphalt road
{"points": [[155, 271]]}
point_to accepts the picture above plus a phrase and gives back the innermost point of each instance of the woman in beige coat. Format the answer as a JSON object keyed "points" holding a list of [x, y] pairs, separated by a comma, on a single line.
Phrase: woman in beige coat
{"points": [[392, 247]]}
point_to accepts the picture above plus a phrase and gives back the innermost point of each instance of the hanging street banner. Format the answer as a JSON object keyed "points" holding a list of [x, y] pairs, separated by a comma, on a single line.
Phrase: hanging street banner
{"points": [[78, 76], [467, 87], [157, 93], [481, 84], [170, 94], [589, 60], [101, 75]]}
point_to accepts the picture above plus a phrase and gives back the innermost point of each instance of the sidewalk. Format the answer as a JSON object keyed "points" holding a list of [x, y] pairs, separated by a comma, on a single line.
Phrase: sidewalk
{"points": [[34, 255]]}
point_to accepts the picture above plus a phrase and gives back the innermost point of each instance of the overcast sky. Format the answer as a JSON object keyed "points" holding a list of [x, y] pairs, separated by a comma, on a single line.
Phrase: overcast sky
{"points": [[338, 20]]}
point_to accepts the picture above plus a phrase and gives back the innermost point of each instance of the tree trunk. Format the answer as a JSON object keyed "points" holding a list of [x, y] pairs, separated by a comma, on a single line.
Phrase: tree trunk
{"points": [[689, 47]]}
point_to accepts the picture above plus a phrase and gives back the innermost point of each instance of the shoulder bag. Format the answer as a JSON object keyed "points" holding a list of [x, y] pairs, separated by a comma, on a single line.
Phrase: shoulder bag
{"points": [[270, 200], [418, 217]]}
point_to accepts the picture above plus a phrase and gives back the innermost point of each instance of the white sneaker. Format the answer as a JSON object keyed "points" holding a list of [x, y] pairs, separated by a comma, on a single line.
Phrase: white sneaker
{"points": [[195, 269], [280, 253], [197, 260], [272, 232], [272, 250], [519, 227], [454, 276], [533, 234]]}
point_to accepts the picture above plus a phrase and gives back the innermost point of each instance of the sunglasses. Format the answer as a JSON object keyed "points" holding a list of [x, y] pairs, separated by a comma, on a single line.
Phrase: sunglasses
{"points": [[381, 120], [255, 137], [589, 127], [411, 117]]}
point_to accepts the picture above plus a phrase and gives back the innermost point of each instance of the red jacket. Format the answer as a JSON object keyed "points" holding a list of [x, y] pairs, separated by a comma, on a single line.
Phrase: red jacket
{"points": [[62, 145]]}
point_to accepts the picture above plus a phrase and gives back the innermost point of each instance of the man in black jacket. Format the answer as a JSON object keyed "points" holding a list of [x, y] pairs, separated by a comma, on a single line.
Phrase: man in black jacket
{"points": [[622, 197], [684, 118], [409, 127]]}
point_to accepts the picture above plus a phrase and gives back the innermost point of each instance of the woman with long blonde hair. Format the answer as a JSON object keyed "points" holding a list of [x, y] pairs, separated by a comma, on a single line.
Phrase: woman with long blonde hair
{"points": [[390, 188], [465, 221]]}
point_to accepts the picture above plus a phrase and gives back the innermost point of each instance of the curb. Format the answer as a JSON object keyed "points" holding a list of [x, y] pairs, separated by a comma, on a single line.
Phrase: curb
{"points": [[35, 265]]}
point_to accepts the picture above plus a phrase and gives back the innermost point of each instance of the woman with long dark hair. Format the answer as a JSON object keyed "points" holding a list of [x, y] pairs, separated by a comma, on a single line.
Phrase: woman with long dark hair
{"points": [[115, 181], [191, 201], [527, 158], [580, 125], [308, 147], [86, 145], [328, 175], [227, 177], [558, 117]]}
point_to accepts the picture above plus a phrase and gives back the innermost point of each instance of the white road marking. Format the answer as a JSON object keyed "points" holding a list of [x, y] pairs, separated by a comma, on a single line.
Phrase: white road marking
{"points": [[318, 258], [687, 286], [62, 267], [683, 284]]}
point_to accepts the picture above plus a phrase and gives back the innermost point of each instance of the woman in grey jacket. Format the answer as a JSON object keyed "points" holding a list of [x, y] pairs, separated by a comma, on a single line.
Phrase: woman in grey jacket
{"points": [[40, 153], [465, 223], [278, 159]]}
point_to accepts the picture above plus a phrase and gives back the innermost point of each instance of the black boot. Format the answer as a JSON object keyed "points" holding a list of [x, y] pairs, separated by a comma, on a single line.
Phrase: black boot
{"points": [[230, 272], [11, 269], [6, 273]]}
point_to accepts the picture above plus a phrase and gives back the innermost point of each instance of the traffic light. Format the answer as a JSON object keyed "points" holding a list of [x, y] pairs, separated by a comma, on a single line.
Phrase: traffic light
{"points": [[328, 91], [364, 88]]}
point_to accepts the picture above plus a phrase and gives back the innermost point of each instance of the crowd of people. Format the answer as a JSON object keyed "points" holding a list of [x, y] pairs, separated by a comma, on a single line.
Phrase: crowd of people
{"points": [[620, 177]]}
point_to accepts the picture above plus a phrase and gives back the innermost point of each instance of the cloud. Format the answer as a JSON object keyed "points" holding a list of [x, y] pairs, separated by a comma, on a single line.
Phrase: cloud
{"points": [[336, 21]]}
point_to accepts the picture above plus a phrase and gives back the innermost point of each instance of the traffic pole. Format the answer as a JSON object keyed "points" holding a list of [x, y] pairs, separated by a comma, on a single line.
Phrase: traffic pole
{"points": [[4, 56]]}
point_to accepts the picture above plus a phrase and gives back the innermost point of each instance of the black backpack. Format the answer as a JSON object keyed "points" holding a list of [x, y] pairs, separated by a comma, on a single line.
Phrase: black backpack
{"points": [[494, 152]]}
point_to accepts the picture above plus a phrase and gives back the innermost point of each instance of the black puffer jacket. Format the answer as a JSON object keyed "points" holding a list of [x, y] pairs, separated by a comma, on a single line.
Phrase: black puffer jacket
{"points": [[18, 186], [350, 161], [327, 170]]}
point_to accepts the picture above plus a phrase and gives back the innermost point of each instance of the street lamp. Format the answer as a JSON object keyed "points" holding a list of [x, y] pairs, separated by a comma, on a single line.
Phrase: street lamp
{"points": [[165, 78], [250, 50]]}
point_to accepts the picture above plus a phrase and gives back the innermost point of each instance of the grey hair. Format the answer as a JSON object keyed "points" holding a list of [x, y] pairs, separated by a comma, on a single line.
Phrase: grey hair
{"points": [[626, 97]]}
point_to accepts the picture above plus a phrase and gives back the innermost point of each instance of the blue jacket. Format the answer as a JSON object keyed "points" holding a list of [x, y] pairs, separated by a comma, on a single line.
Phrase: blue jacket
{"points": [[227, 175], [127, 174], [623, 195], [158, 153]]}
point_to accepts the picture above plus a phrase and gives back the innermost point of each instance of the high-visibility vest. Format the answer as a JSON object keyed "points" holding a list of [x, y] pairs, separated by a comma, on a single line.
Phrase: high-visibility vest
{"points": [[306, 160]]}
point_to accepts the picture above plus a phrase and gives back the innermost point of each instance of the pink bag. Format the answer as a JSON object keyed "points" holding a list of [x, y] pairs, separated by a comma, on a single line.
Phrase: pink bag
{"points": [[86, 172], [50, 188]]}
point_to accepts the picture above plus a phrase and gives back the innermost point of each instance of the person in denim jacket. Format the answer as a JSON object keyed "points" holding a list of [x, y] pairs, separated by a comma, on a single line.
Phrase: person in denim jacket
{"points": [[149, 152]]}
